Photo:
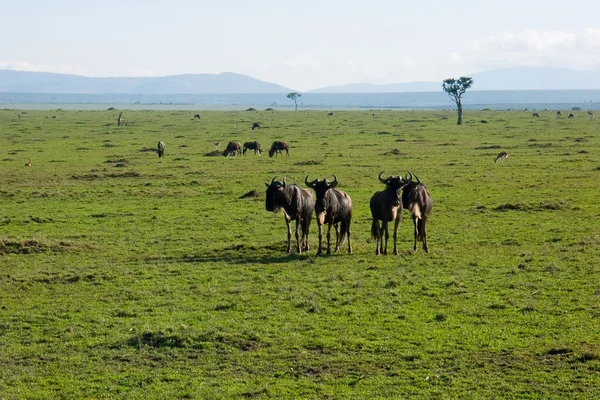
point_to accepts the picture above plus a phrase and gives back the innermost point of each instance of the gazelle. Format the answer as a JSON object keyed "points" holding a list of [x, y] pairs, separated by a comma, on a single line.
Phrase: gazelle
{"points": [[28, 163], [502, 156]]}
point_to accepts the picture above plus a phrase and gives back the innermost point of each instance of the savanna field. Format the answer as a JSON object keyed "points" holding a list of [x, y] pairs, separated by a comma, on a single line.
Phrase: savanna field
{"points": [[123, 275]]}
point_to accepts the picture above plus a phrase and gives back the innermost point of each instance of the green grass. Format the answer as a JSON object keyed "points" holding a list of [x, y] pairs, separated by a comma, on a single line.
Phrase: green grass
{"points": [[127, 276]]}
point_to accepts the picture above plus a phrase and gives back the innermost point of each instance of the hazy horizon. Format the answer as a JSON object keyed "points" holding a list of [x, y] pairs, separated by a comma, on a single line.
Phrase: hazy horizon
{"points": [[303, 46]]}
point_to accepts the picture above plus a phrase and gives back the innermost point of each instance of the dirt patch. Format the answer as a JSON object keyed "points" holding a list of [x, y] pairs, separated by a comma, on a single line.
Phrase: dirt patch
{"points": [[309, 162], [32, 246], [250, 194], [494, 146], [394, 152], [547, 206], [214, 153]]}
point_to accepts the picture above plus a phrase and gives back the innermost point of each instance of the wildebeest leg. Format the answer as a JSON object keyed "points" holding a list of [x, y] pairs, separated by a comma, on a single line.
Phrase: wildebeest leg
{"points": [[384, 226], [376, 232], [348, 233], [289, 234], [337, 237], [396, 222], [320, 226], [416, 224], [298, 249], [329, 238], [286, 152], [305, 228], [423, 233]]}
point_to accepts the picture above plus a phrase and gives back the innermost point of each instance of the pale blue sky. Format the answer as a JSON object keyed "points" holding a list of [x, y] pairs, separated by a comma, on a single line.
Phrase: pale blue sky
{"points": [[303, 44]]}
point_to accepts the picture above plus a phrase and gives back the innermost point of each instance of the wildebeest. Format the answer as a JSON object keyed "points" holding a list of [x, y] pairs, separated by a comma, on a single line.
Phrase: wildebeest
{"points": [[417, 200], [330, 114], [197, 116], [252, 146], [161, 149], [386, 206], [277, 147], [501, 156], [536, 115], [255, 125], [571, 116], [298, 205], [233, 149], [332, 206], [591, 114], [558, 114]]}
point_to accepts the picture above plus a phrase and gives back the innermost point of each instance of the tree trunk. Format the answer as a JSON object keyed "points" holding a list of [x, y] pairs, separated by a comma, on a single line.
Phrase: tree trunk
{"points": [[296, 103], [459, 105]]}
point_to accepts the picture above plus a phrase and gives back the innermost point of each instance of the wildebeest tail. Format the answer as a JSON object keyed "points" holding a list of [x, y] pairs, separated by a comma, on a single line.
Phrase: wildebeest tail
{"points": [[374, 230], [343, 233]]}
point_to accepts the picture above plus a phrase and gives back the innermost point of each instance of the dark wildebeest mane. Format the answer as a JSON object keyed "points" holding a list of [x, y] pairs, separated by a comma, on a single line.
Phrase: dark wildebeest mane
{"points": [[417, 200], [297, 204], [277, 147], [332, 206], [386, 206]]}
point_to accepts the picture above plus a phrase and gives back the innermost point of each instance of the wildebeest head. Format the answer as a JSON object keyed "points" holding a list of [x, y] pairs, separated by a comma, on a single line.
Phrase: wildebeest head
{"points": [[276, 195], [321, 188], [395, 183]]}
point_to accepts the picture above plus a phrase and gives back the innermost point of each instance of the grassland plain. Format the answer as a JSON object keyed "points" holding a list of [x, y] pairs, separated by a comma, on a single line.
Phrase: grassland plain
{"points": [[128, 276]]}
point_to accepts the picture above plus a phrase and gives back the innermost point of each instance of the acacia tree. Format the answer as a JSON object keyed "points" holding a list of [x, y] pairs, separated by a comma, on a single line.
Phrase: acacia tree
{"points": [[294, 96], [455, 89]]}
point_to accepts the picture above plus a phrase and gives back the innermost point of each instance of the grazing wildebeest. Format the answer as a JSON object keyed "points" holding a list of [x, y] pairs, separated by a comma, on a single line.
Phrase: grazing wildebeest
{"points": [[298, 204], [255, 125], [386, 206], [558, 114], [277, 147], [330, 114], [332, 206], [501, 156], [536, 115], [591, 114], [197, 116], [233, 149], [417, 200], [161, 149], [252, 146], [571, 116]]}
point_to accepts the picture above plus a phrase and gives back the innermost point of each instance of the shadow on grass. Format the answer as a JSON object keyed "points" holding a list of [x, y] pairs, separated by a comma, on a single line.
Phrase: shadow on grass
{"points": [[240, 254]]}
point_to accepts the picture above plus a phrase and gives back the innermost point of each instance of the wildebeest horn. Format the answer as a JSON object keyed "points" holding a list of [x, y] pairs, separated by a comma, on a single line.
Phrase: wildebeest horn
{"points": [[409, 176], [384, 181], [284, 182], [418, 180], [334, 179], [309, 184]]}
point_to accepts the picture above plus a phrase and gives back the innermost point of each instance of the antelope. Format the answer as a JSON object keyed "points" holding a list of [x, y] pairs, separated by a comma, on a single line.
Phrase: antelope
{"points": [[386, 206], [217, 144], [233, 149], [277, 147], [161, 149], [558, 114], [417, 200], [591, 114], [298, 205], [501, 156], [571, 116], [332, 207], [536, 115], [28, 163], [252, 146], [255, 125]]}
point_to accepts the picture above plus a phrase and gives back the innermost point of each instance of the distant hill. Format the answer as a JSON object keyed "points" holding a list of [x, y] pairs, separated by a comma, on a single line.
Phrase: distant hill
{"points": [[45, 82], [518, 78]]}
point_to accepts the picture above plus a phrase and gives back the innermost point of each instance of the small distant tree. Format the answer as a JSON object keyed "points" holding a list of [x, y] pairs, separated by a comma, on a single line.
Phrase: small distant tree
{"points": [[455, 89], [294, 96]]}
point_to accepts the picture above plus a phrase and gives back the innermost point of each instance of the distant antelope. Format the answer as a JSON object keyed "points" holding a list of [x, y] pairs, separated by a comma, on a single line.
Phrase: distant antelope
{"points": [[502, 156], [217, 144], [330, 114], [28, 163], [591, 114], [161, 149]]}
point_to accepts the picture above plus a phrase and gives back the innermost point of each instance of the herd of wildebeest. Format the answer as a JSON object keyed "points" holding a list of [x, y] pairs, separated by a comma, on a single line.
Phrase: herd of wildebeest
{"points": [[334, 207]]}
